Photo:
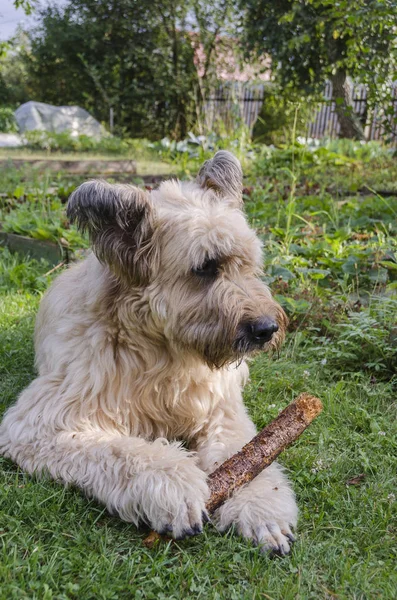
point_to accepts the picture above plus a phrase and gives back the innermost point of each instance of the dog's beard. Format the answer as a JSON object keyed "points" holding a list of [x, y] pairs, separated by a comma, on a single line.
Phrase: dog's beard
{"points": [[221, 346], [236, 352]]}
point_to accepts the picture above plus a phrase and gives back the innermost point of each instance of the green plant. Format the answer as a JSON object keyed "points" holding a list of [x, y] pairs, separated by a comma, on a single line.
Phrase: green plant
{"points": [[8, 123], [188, 154], [42, 218], [281, 107], [18, 273], [66, 142], [365, 340]]}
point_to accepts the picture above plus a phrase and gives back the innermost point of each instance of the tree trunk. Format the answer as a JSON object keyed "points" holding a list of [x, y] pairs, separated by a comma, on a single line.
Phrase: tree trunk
{"points": [[350, 126]]}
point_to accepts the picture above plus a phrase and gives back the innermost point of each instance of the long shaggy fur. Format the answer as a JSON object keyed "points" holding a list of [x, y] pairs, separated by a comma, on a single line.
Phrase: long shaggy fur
{"points": [[140, 357]]}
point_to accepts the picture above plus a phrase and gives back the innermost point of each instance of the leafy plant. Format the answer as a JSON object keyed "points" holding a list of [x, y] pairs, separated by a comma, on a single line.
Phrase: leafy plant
{"points": [[365, 340], [43, 219], [18, 273], [8, 123], [66, 142]]}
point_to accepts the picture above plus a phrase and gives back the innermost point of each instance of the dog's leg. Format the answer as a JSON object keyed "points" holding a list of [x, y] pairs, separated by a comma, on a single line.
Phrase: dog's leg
{"points": [[264, 510], [157, 482]]}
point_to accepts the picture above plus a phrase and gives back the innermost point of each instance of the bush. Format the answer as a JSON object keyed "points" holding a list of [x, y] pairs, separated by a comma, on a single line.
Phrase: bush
{"points": [[8, 123], [283, 116]]}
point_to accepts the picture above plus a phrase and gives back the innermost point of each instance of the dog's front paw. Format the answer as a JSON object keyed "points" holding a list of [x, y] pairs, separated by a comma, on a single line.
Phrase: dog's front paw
{"points": [[274, 537], [173, 503], [264, 512]]}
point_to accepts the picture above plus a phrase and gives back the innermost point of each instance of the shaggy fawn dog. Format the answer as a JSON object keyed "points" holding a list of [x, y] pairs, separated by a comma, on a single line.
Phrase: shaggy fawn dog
{"points": [[140, 355]]}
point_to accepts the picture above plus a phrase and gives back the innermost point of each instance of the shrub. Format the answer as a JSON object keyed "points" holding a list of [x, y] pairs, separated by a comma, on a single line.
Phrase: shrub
{"points": [[8, 123]]}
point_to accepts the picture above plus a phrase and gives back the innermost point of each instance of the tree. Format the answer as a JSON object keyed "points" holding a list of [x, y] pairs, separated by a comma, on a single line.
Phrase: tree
{"points": [[13, 77], [211, 21], [311, 41], [26, 5], [133, 56]]}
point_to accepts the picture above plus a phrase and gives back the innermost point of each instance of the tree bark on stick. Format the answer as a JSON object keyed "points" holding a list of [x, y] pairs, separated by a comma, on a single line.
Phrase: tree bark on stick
{"points": [[258, 454]]}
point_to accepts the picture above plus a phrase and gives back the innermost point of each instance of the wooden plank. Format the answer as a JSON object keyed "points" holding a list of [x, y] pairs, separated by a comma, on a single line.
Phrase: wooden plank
{"points": [[37, 249]]}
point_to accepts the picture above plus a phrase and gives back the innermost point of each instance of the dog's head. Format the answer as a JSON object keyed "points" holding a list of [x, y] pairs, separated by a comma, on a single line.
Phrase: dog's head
{"points": [[189, 250]]}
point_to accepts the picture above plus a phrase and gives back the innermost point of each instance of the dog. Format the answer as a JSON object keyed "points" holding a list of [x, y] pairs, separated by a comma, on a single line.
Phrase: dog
{"points": [[140, 353]]}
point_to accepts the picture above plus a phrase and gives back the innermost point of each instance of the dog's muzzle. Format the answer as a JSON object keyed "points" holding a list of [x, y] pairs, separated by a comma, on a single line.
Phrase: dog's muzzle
{"points": [[255, 334]]}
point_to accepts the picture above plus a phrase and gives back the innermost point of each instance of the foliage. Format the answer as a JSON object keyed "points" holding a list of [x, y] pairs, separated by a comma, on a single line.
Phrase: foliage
{"points": [[132, 57], [284, 113], [66, 142], [7, 120], [40, 217], [214, 39], [346, 161], [19, 273], [188, 154], [137, 59], [27, 5], [364, 340], [316, 40], [213, 21], [14, 84], [332, 262]]}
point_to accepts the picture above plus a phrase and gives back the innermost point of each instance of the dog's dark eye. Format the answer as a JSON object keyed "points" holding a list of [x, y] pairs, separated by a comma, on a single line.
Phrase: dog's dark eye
{"points": [[208, 269]]}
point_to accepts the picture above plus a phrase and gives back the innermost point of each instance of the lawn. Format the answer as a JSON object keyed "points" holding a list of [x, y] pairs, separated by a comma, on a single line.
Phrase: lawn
{"points": [[330, 258]]}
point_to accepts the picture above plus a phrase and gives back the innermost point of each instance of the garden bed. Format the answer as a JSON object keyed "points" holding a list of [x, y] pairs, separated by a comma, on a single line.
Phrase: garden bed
{"points": [[76, 167]]}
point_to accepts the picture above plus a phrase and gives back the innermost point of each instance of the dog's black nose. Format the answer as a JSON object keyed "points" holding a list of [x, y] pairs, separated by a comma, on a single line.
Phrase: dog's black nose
{"points": [[262, 330]]}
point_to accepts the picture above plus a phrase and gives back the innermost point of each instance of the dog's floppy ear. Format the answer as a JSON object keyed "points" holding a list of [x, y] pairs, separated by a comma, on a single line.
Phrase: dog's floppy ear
{"points": [[223, 174], [119, 221]]}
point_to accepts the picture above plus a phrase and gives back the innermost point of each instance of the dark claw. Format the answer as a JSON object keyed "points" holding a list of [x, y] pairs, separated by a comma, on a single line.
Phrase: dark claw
{"points": [[291, 537], [205, 517], [197, 528], [277, 553], [186, 533]]}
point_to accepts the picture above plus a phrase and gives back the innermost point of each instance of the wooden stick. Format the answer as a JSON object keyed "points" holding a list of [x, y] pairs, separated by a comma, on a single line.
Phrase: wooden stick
{"points": [[262, 450], [58, 266], [258, 454]]}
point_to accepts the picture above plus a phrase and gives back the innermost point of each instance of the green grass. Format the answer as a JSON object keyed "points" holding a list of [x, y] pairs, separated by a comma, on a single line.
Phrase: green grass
{"points": [[56, 544], [330, 259]]}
